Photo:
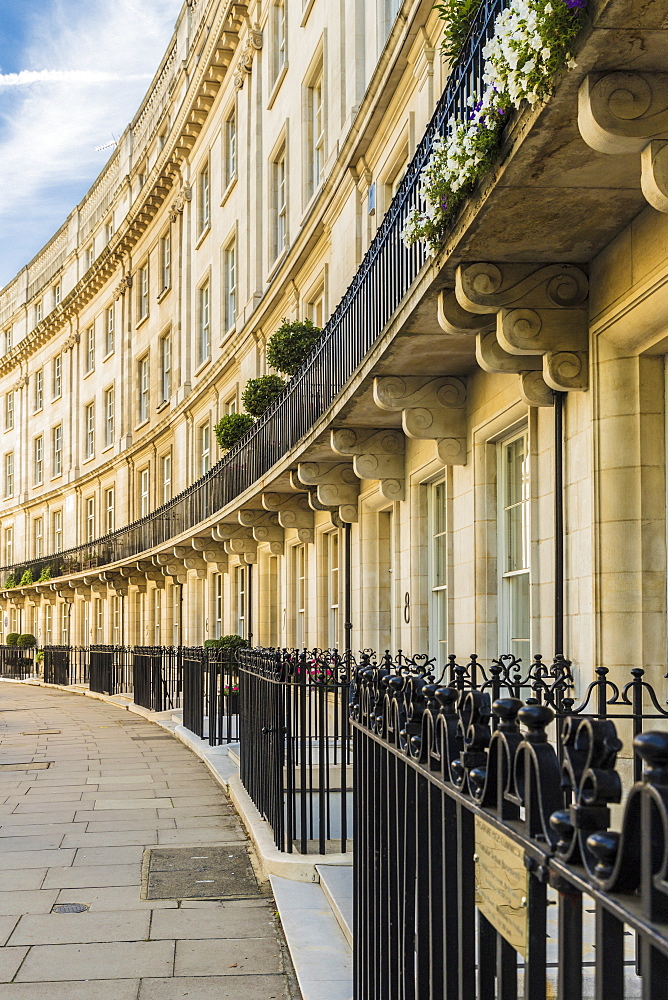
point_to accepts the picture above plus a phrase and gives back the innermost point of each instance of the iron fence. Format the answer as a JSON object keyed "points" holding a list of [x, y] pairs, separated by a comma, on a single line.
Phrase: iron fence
{"points": [[66, 665], [157, 677], [467, 830], [18, 662], [295, 747], [110, 669], [382, 281], [211, 694]]}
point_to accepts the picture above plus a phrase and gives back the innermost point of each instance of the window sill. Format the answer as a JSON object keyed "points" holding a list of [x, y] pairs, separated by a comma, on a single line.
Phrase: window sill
{"points": [[107, 356], [55, 398], [202, 366], [228, 190], [107, 447], [58, 475], [141, 321], [309, 204], [38, 410], [88, 458], [162, 405], [164, 293], [202, 236], [305, 13], [88, 373], [277, 84], [142, 424]]}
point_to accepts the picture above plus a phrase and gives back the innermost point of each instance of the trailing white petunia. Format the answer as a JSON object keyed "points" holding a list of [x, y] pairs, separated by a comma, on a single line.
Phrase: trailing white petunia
{"points": [[530, 43]]}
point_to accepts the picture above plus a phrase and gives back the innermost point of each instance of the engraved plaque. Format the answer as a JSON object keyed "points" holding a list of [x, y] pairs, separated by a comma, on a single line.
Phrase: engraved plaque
{"points": [[501, 883]]}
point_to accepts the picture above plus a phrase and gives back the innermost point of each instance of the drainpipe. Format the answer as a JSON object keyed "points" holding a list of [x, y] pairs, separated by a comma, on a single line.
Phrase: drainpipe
{"points": [[348, 625], [250, 605], [558, 523]]}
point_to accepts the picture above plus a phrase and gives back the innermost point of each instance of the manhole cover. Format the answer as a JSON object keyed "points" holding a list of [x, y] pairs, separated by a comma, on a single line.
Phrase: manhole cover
{"points": [[37, 766], [199, 873], [70, 908]]}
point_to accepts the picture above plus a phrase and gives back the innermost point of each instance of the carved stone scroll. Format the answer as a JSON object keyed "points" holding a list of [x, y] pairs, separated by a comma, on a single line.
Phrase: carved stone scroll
{"points": [[223, 532], [456, 321], [377, 454], [336, 485], [292, 512], [431, 409], [253, 518], [241, 546], [627, 112], [541, 312]]}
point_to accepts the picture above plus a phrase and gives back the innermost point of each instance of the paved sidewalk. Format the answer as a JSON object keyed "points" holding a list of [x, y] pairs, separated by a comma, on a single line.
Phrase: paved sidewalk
{"points": [[75, 833]]}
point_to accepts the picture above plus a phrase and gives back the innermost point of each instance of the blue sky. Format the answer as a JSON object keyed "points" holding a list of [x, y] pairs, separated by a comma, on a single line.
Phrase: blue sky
{"points": [[72, 75]]}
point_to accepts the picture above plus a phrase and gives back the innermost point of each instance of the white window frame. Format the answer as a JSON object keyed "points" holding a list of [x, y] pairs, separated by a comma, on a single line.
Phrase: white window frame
{"points": [[109, 416], [218, 606], [142, 292], [38, 460], [57, 450], [166, 468], [300, 593], [204, 192], [510, 580], [438, 567], [166, 367], [241, 582], [38, 537], [203, 323], [231, 151], [9, 546], [9, 474], [57, 376], [204, 447], [279, 39], [279, 199], [332, 544], [109, 331], [166, 260], [39, 390], [90, 518], [144, 492], [90, 349], [143, 389], [89, 423], [109, 510], [9, 410], [231, 290], [57, 530]]}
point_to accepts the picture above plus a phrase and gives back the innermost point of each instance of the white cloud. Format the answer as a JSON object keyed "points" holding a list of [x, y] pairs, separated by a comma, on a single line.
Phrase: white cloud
{"points": [[80, 76], [86, 68]]}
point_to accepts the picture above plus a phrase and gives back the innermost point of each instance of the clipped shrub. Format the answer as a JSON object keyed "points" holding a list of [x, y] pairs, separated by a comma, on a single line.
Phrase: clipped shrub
{"points": [[26, 579], [26, 641], [226, 642], [288, 348], [261, 392], [10, 581], [11, 639], [44, 575], [231, 428]]}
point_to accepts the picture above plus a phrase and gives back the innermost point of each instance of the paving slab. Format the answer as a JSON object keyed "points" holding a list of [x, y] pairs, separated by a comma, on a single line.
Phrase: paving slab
{"points": [[118, 960], [35, 859], [80, 928], [92, 876], [44, 842], [93, 989], [32, 878], [113, 898], [108, 855], [10, 962], [38, 901], [213, 988], [7, 925], [117, 839], [227, 956]]}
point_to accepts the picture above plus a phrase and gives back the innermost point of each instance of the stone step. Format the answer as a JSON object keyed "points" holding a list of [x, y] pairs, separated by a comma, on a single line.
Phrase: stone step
{"points": [[336, 882], [320, 953]]}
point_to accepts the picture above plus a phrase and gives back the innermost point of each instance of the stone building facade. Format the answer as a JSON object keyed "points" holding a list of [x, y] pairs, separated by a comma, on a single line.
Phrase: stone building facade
{"points": [[488, 471]]}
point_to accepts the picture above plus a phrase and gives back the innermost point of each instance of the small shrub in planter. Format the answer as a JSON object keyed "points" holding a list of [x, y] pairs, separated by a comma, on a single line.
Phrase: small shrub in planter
{"points": [[10, 581], [231, 428], [226, 642], [26, 641], [11, 639], [44, 575], [27, 578], [288, 348], [261, 392]]}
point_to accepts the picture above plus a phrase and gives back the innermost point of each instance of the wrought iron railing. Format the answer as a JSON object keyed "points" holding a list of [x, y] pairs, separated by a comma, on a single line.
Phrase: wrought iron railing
{"points": [[157, 677], [211, 694], [66, 665], [295, 747], [18, 662], [468, 828], [381, 283], [110, 669]]}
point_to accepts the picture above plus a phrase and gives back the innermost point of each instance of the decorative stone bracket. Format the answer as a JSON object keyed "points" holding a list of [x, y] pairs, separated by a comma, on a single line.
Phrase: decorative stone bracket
{"points": [[539, 328], [265, 528], [292, 512], [211, 552], [623, 112], [431, 409], [377, 454], [336, 485]]}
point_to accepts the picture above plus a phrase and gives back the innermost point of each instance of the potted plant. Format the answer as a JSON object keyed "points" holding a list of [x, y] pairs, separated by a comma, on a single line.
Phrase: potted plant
{"points": [[291, 344], [231, 428], [261, 392]]}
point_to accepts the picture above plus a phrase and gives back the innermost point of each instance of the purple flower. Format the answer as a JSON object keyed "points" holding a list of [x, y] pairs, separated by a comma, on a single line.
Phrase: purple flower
{"points": [[574, 5]]}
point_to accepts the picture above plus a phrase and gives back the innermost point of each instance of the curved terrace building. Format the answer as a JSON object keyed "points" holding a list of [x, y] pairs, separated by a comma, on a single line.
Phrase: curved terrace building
{"points": [[473, 457]]}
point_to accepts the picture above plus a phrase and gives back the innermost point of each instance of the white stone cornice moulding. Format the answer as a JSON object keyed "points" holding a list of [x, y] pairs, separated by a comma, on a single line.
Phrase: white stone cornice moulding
{"points": [[627, 112], [431, 409], [292, 512], [336, 485], [377, 454]]}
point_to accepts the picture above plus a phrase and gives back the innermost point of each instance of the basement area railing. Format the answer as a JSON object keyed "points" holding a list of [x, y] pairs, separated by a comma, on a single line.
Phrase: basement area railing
{"points": [[380, 285], [484, 863]]}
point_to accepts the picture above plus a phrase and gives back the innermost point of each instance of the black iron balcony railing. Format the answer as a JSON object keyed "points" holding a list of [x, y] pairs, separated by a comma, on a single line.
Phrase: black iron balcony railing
{"points": [[381, 283]]}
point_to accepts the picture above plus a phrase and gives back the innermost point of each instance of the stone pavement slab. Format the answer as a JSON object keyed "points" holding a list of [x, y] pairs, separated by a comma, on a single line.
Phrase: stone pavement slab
{"points": [[213, 988], [76, 833]]}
